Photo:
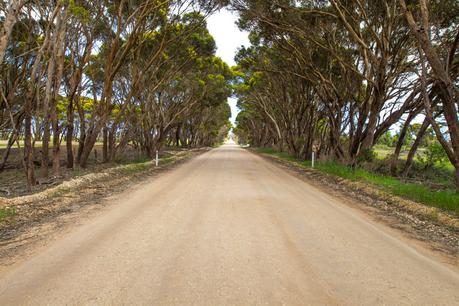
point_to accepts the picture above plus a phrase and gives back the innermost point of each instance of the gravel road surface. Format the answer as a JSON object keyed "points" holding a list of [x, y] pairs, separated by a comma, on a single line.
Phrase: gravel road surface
{"points": [[230, 228]]}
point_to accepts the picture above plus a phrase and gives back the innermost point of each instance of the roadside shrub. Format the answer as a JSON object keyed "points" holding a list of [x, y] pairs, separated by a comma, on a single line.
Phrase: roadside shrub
{"points": [[367, 155], [434, 155]]}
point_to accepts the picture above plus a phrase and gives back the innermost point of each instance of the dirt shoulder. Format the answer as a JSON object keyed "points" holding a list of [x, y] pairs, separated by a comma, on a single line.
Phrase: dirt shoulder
{"points": [[37, 217], [426, 224]]}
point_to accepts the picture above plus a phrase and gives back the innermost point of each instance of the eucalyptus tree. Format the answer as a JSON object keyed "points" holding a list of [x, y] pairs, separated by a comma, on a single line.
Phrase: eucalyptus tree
{"points": [[84, 29], [126, 23], [85, 70], [436, 29], [372, 66], [207, 122], [337, 40]]}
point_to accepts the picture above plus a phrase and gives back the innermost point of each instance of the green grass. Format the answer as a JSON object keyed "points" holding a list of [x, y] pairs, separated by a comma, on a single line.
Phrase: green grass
{"points": [[444, 199], [447, 200], [137, 166], [142, 164], [139, 160], [282, 155], [6, 212]]}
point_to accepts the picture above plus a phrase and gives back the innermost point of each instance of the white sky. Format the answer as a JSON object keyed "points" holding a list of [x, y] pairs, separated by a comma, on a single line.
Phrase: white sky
{"points": [[222, 26]]}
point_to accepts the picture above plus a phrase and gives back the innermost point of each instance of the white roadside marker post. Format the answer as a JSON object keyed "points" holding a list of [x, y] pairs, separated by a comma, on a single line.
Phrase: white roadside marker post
{"points": [[157, 158], [312, 161]]}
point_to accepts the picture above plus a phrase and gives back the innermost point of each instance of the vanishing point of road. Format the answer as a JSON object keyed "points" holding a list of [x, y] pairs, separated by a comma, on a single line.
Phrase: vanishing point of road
{"points": [[230, 228]]}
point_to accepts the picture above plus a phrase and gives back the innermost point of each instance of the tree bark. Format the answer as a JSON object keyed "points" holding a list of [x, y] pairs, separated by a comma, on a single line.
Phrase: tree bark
{"points": [[69, 136], [448, 93], [28, 149], [105, 145], [415, 146], [400, 141]]}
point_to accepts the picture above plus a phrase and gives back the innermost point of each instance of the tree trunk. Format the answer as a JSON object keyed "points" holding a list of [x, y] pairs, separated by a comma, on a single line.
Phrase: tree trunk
{"points": [[177, 135], [45, 143], [448, 93], [112, 148], [400, 141], [414, 147], [6, 154], [368, 140], [81, 142], [90, 141], [96, 127], [69, 137], [28, 107], [82, 138], [49, 104], [105, 145], [28, 149], [56, 146], [59, 56]]}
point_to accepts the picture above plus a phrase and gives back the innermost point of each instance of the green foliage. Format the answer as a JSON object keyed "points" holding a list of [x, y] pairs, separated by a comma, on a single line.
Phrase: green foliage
{"points": [[282, 155], [79, 11], [366, 155], [6, 213], [433, 155], [387, 139], [136, 167]]}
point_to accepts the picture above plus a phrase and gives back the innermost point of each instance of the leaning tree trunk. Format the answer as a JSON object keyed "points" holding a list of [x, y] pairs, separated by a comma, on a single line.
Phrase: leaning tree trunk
{"points": [[449, 94], [415, 146], [91, 138], [6, 154], [400, 141]]}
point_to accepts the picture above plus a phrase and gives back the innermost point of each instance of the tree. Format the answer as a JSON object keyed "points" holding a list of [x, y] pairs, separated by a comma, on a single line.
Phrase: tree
{"points": [[443, 67], [126, 73], [337, 75]]}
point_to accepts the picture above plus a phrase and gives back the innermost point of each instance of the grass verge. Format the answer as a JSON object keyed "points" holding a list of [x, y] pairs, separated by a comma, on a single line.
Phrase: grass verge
{"points": [[446, 200], [6, 212]]}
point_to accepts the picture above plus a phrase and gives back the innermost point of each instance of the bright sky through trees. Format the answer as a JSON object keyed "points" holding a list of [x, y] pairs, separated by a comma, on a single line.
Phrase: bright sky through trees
{"points": [[222, 26]]}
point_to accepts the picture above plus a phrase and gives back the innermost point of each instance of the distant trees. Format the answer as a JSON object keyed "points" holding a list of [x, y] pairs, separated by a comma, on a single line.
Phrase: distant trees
{"points": [[126, 73], [336, 76]]}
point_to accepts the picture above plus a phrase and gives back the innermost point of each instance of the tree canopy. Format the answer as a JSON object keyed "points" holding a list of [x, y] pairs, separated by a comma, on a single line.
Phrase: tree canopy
{"points": [[126, 73], [335, 76]]}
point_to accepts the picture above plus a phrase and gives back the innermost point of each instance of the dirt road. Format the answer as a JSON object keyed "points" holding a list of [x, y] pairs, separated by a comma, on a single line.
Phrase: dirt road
{"points": [[229, 228]]}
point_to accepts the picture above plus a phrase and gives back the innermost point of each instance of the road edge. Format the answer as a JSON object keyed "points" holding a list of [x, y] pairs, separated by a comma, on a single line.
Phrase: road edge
{"points": [[413, 219], [60, 208]]}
